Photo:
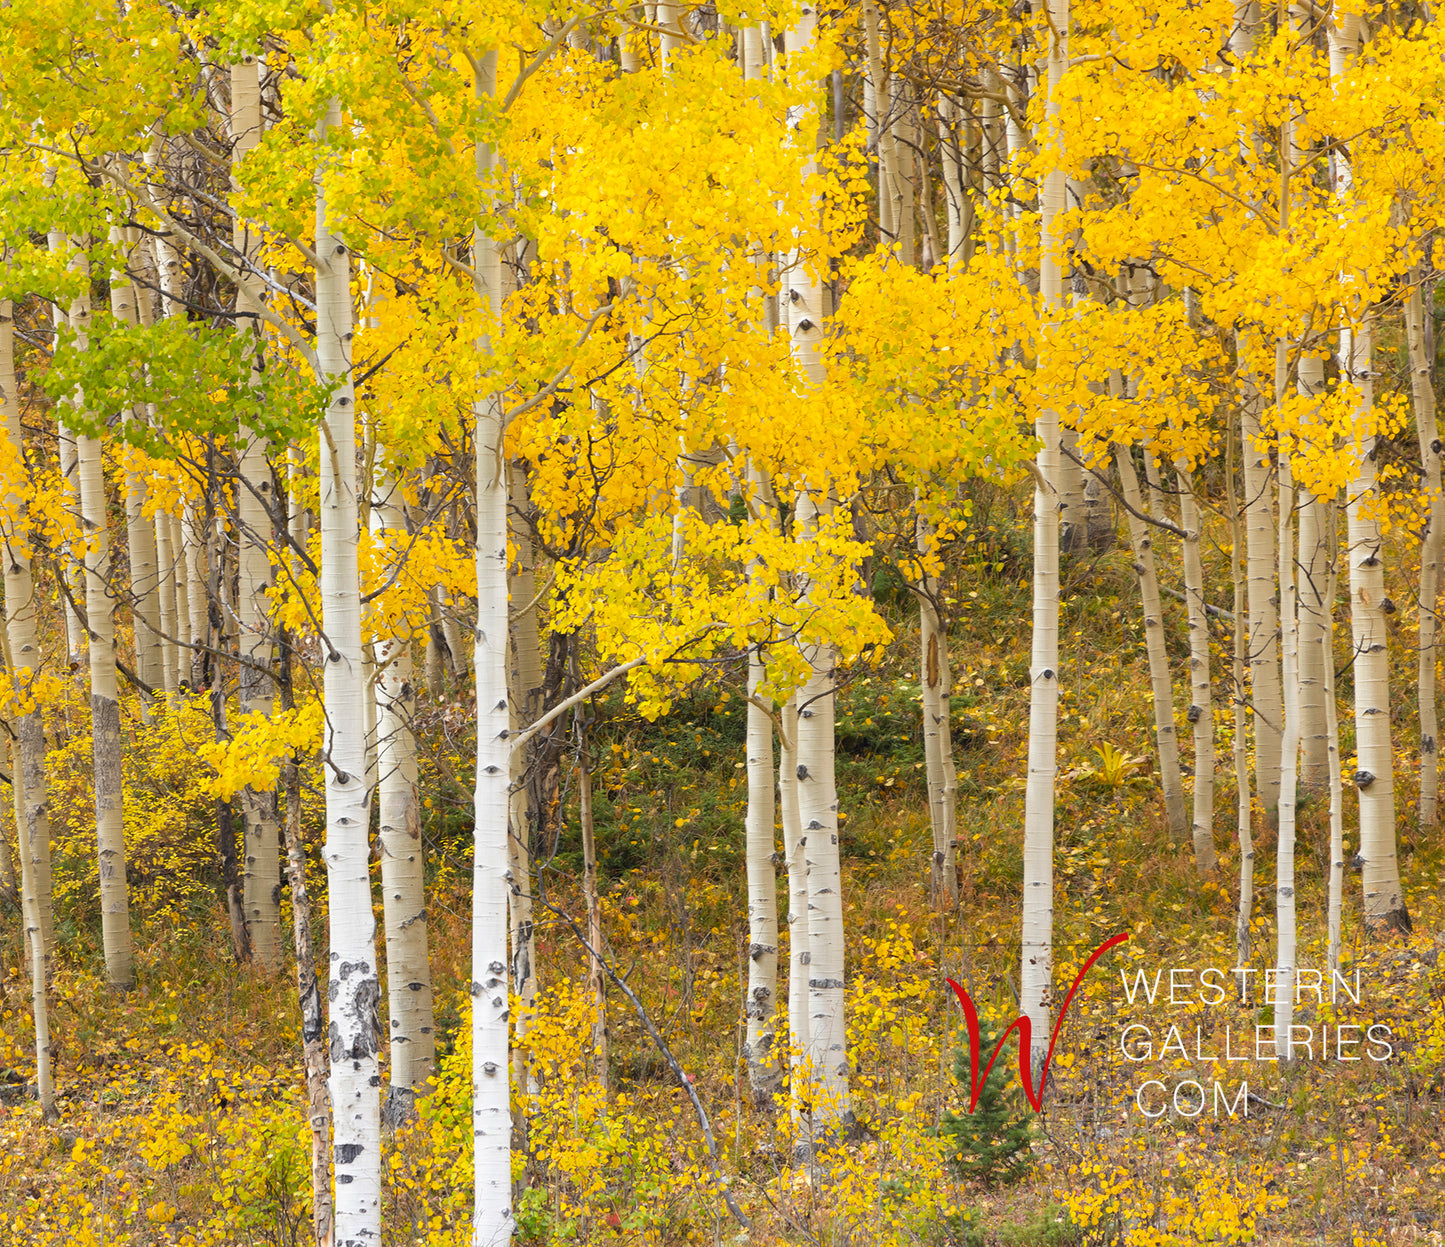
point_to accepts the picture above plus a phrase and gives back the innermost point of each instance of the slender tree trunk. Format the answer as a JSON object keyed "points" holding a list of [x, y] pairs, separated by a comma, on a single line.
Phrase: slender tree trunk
{"points": [[69, 565], [1310, 592], [1337, 787], [1243, 813], [491, 1100], [104, 693], [596, 975], [140, 532], [354, 988], [403, 858], [764, 1073], [830, 1105], [1166, 738], [32, 903], [1264, 676], [24, 658], [799, 942], [1036, 980], [1284, 965], [1422, 396], [937, 733], [1201, 709], [261, 894], [308, 992], [525, 694]]}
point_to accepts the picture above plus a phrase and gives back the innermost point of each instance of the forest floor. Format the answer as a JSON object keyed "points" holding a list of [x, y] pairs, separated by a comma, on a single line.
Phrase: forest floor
{"points": [[181, 1118]]}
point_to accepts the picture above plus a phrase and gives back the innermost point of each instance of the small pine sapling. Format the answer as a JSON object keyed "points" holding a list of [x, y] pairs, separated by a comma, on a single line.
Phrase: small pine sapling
{"points": [[991, 1144]]}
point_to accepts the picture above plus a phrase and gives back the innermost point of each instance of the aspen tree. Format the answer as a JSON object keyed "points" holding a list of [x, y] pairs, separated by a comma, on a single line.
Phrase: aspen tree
{"points": [[1265, 692], [354, 985], [32, 904], [1035, 989], [1369, 607], [408, 974], [1201, 709], [1422, 398], [104, 693], [1336, 891], [1166, 738], [1284, 964], [1244, 829], [1314, 610], [70, 568], [22, 637], [140, 532], [261, 887], [937, 689], [817, 790], [799, 943], [166, 567], [596, 975], [524, 671], [491, 1100], [764, 1074]]}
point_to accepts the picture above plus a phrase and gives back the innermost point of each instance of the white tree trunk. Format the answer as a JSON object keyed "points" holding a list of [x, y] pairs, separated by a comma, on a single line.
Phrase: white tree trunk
{"points": [[403, 858], [1422, 395], [794, 851], [491, 1099], [1036, 978], [140, 532], [1337, 787], [261, 881], [525, 697], [1201, 709], [1166, 737], [1265, 692], [1311, 574], [1284, 963], [1243, 813], [24, 657], [104, 693], [596, 975], [942, 775], [354, 988], [759, 1046], [32, 904]]}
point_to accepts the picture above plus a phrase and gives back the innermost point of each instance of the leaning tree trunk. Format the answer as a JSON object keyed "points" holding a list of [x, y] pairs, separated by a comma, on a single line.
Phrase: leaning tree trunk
{"points": [[24, 657], [354, 988], [1166, 737], [1422, 395], [104, 693]]}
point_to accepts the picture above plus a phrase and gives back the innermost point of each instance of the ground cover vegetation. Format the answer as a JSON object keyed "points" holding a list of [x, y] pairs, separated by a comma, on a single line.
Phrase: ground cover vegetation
{"points": [[586, 590]]}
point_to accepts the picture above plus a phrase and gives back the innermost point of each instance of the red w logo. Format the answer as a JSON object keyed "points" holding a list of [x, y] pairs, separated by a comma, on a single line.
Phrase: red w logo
{"points": [[1025, 1029]]}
